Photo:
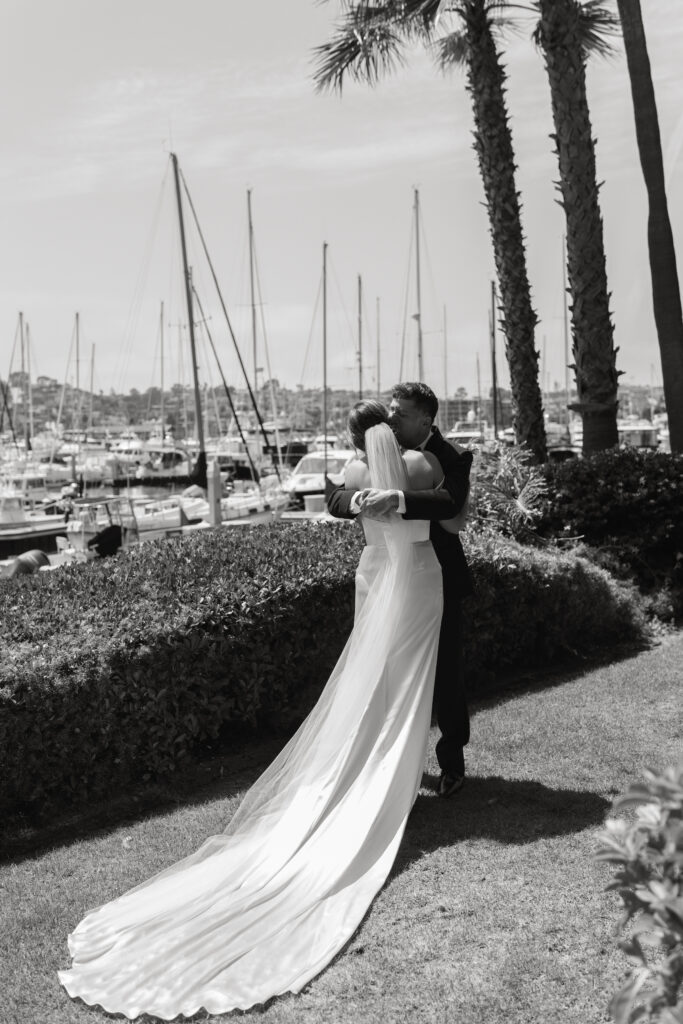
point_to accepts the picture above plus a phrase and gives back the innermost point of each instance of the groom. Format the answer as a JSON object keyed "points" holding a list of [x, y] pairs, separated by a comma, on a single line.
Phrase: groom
{"points": [[412, 412]]}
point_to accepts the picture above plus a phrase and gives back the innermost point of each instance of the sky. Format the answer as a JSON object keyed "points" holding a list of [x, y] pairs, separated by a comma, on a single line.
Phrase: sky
{"points": [[95, 95]]}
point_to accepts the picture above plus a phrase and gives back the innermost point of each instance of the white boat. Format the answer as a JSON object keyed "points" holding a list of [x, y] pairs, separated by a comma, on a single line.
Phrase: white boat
{"points": [[235, 456], [307, 480], [147, 460], [633, 433], [33, 473], [166, 514], [466, 432], [164, 461], [93, 469], [247, 503], [326, 441], [638, 433], [23, 528], [255, 504], [99, 526]]}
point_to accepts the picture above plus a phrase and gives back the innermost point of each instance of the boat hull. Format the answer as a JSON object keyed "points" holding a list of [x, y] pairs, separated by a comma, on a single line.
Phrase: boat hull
{"points": [[43, 536]]}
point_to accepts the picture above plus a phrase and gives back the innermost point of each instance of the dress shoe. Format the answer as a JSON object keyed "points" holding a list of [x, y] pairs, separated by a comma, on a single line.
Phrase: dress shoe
{"points": [[449, 784]]}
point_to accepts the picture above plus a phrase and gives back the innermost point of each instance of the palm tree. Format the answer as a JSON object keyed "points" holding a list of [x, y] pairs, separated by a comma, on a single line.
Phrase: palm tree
{"points": [[665, 287], [370, 40], [567, 33]]}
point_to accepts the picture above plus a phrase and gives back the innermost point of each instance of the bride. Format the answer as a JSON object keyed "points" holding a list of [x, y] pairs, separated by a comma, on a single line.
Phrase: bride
{"points": [[262, 908]]}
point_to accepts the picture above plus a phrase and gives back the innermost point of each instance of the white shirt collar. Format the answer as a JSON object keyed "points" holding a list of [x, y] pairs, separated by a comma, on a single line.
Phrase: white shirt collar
{"points": [[423, 444]]}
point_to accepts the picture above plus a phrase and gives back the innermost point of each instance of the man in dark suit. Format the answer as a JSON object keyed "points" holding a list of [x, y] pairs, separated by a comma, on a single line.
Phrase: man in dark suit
{"points": [[411, 414]]}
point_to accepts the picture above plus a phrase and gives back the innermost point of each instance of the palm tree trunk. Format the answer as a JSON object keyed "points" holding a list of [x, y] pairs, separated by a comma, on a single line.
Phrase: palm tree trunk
{"points": [[493, 145], [592, 329], [666, 293]]}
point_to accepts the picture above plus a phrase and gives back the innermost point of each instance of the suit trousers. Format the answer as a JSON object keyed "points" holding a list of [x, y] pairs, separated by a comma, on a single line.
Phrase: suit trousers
{"points": [[450, 697]]}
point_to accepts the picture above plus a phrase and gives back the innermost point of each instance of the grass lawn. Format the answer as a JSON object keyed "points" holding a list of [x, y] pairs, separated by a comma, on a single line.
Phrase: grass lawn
{"points": [[495, 911]]}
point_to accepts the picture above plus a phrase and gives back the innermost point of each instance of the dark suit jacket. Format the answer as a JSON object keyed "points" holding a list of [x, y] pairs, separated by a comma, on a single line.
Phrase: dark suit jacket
{"points": [[432, 505]]}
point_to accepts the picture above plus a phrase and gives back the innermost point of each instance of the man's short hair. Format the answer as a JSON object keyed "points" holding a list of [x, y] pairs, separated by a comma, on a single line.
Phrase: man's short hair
{"points": [[419, 393]]}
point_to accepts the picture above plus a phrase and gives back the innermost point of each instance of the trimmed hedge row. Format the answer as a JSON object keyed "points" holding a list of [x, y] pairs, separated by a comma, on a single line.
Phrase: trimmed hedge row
{"points": [[124, 668], [540, 607], [627, 506]]}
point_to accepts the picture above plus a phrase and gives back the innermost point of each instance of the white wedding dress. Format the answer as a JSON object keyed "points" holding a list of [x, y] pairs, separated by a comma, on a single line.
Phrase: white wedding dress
{"points": [[262, 908]]}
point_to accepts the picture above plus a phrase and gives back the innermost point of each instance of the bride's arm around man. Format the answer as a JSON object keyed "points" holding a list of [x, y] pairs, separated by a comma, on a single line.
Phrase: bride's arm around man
{"points": [[411, 416]]}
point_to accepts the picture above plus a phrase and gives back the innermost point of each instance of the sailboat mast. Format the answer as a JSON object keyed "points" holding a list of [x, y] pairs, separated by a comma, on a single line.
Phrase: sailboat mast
{"points": [[24, 417], [28, 382], [325, 354], [78, 368], [360, 338], [420, 368], [190, 312], [77, 329], [445, 360], [252, 290], [161, 397], [92, 375], [378, 366]]}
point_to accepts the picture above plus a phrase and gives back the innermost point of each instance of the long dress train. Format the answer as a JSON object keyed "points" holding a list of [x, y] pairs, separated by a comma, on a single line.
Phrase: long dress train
{"points": [[260, 909]]}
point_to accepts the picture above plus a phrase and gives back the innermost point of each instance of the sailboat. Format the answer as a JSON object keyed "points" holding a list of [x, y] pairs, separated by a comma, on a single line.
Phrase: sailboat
{"points": [[262, 499], [253, 451], [307, 484]]}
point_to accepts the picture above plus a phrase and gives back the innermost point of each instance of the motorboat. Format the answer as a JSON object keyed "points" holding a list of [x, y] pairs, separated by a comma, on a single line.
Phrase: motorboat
{"points": [[466, 432], [162, 515], [638, 433], [633, 433], [23, 528], [131, 458], [306, 485]]}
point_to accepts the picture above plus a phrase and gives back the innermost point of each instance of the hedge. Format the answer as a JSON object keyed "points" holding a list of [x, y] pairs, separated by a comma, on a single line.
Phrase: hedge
{"points": [[627, 506], [123, 669]]}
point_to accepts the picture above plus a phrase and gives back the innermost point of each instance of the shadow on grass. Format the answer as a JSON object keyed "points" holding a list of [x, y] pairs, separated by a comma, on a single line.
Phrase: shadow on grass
{"points": [[518, 683], [508, 811], [505, 810], [220, 778]]}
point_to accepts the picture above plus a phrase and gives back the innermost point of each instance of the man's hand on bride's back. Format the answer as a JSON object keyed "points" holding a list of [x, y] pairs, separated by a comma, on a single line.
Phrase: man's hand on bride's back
{"points": [[376, 504]]}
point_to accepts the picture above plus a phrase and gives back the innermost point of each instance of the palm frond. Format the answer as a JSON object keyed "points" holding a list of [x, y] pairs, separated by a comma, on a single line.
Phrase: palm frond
{"points": [[510, 19], [451, 51], [597, 24], [365, 46], [423, 15]]}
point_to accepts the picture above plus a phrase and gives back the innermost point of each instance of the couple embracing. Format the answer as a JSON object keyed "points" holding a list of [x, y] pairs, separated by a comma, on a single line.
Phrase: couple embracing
{"points": [[263, 907], [437, 489]]}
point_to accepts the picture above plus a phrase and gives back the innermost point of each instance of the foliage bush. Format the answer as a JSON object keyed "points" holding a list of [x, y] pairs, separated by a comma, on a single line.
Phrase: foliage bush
{"points": [[627, 507], [536, 607], [124, 668], [648, 854], [507, 490]]}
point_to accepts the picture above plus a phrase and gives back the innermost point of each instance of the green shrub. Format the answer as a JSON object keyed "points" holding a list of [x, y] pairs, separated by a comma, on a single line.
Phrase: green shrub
{"points": [[536, 607], [507, 490], [122, 669], [627, 505], [648, 854], [125, 667]]}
